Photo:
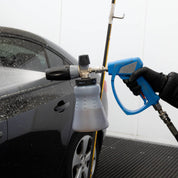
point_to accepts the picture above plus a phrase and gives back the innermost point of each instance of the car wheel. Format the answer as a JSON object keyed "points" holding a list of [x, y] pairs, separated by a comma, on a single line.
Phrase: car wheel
{"points": [[79, 155]]}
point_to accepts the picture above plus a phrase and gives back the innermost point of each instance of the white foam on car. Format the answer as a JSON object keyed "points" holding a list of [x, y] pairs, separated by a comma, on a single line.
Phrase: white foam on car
{"points": [[13, 77]]}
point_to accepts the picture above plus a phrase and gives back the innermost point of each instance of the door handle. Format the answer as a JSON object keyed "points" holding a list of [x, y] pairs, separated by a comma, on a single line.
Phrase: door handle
{"points": [[1, 134], [61, 106]]}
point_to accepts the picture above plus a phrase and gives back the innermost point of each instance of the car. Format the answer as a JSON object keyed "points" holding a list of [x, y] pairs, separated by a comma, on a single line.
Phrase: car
{"points": [[36, 135]]}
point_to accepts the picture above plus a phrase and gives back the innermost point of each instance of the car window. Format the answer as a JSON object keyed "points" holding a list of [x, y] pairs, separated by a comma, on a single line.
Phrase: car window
{"points": [[53, 59], [22, 54]]}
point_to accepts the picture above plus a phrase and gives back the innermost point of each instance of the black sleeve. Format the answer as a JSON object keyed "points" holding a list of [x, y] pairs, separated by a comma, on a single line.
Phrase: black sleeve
{"points": [[169, 92]]}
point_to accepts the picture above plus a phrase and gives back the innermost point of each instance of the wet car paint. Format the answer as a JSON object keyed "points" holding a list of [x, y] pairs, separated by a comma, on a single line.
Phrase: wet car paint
{"points": [[35, 114]]}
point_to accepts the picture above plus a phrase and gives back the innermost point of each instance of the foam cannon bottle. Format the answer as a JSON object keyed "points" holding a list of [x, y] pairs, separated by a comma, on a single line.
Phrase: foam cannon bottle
{"points": [[89, 114]]}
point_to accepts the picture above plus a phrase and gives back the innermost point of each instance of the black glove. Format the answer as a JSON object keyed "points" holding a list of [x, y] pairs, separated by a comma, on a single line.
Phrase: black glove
{"points": [[155, 79], [166, 85], [170, 91]]}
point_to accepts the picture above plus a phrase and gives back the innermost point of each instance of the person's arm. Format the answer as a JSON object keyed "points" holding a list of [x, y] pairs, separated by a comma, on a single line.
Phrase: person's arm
{"points": [[165, 85]]}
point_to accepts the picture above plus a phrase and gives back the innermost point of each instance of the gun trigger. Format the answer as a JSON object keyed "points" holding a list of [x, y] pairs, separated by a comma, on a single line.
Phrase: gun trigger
{"points": [[143, 96]]}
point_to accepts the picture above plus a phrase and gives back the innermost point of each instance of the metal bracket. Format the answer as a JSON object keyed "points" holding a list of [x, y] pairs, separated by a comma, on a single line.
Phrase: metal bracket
{"points": [[111, 16], [123, 16]]}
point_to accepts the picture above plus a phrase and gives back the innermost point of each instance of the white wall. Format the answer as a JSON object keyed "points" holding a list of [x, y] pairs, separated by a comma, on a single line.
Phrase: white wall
{"points": [[42, 17], [149, 30]]}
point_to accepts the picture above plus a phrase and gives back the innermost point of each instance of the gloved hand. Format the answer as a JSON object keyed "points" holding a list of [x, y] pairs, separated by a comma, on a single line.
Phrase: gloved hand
{"points": [[165, 85], [155, 79]]}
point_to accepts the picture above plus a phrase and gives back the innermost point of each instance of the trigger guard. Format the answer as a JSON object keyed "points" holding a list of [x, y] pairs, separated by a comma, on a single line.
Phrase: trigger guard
{"points": [[127, 111]]}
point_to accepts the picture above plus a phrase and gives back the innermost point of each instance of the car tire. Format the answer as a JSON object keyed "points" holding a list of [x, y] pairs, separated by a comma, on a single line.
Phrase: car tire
{"points": [[79, 155]]}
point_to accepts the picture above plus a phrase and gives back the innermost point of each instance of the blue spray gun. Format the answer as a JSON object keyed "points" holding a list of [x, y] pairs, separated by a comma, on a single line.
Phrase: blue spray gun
{"points": [[124, 69]]}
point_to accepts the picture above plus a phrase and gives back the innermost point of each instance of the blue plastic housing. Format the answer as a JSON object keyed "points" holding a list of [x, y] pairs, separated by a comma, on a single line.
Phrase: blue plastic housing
{"points": [[124, 69]]}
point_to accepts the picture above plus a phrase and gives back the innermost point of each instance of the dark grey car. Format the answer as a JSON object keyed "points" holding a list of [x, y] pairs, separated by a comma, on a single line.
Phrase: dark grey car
{"points": [[36, 138]]}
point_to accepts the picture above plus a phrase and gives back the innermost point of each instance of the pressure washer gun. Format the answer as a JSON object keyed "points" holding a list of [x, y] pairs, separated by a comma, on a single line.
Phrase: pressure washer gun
{"points": [[124, 69]]}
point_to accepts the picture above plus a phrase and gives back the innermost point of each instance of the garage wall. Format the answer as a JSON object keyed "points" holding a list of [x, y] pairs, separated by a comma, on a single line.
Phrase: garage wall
{"points": [[149, 30], [42, 17]]}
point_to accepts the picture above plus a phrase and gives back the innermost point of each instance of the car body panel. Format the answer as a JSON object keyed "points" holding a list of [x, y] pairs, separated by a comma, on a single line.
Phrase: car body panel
{"points": [[35, 114], [3, 130], [21, 34]]}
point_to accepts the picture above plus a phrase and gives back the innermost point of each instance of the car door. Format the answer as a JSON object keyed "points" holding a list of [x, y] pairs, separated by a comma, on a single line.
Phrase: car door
{"points": [[17, 110], [57, 114], [53, 118], [38, 105], [39, 112]]}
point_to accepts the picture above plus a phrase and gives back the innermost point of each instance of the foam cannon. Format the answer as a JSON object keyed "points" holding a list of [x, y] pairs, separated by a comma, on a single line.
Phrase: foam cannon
{"points": [[89, 114]]}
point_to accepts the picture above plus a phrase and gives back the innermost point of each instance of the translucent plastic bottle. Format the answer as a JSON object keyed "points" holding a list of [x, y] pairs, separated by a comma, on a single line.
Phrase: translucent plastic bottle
{"points": [[89, 112]]}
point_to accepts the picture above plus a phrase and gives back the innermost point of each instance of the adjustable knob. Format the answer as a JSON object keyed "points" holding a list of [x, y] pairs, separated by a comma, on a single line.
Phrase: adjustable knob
{"points": [[84, 60]]}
